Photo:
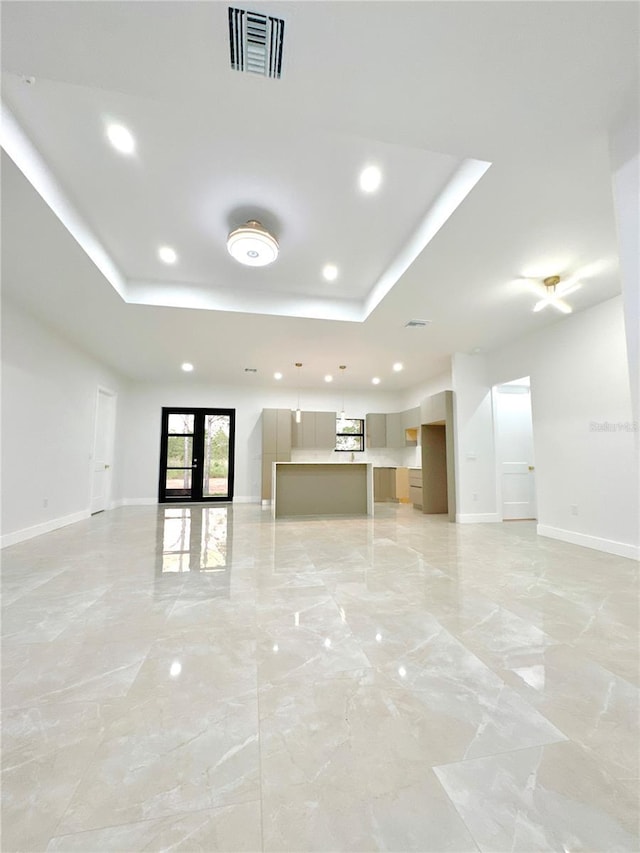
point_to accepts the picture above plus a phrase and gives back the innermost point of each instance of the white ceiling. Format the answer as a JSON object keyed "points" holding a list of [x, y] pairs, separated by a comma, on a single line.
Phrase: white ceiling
{"points": [[425, 89]]}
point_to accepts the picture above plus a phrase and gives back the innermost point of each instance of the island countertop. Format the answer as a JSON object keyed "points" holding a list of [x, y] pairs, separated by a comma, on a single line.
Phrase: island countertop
{"points": [[322, 488]]}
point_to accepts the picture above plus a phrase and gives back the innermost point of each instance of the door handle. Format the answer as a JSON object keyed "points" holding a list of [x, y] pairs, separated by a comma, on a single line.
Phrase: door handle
{"points": [[532, 467], [106, 467]]}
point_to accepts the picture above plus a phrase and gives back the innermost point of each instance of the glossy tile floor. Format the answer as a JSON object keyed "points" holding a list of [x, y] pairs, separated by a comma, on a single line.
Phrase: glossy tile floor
{"points": [[206, 679]]}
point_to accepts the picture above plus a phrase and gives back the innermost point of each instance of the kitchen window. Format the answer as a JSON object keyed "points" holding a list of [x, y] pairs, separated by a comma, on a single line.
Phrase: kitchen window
{"points": [[349, 434]]}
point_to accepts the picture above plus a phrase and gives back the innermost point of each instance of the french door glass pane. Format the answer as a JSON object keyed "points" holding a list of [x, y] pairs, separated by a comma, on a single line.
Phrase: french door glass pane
{"points": [[178, 481], [179, 451], [215, 475], [181, 423]]}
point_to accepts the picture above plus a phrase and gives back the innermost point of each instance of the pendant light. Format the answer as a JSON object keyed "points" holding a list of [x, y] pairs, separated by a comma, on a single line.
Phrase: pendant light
{"points": [[342, 415], [298, 412]]}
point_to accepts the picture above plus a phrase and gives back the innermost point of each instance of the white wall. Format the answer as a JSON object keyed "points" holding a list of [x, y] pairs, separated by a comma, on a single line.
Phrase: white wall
{"points": [[625, 166], [474, 446], [48, 413], [140, 428], [586, 454], [415, 395]]}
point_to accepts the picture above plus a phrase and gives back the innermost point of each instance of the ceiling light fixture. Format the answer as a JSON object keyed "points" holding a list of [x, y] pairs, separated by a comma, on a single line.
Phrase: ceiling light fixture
{"points": [[342, 368], [370, 179], [330, 272], [167, 254], [328, 378], [398, 366], [252, 245], [298, 412], [376, 380], [121, 138], [553, 289], [277, 375], [187, 367]]}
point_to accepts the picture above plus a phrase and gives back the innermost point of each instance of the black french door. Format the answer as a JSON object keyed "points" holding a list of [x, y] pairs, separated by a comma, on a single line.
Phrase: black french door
{"points": [[196, 455]]}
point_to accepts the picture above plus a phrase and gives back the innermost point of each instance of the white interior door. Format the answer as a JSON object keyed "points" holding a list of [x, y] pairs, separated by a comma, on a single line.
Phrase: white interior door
{"points": [[103, 450], [514, 432]]}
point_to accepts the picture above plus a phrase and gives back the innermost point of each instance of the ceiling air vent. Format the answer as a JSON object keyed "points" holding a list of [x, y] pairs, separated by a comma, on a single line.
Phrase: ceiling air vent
{"points": [[410, 324], [255, 42]]}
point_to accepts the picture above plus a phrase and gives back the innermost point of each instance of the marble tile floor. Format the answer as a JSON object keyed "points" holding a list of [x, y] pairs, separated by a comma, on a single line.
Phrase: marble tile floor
{"points": [[206, 679]]}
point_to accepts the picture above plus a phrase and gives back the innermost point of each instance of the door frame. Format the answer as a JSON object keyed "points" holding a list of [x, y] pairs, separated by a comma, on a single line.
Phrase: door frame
{"points": [[111, 442], [496, 446], [198, 434]]}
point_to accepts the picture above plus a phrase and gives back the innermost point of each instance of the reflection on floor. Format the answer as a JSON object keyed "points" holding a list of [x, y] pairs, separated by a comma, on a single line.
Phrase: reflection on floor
{"points": [[206, 679]]}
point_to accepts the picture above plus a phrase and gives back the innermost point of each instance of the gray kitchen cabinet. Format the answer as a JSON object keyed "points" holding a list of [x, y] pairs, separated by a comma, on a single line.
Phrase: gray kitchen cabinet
{"points": [[276, 444], [326, 424], [376, 430], [395, 430], [384, 484], [316, 430]]}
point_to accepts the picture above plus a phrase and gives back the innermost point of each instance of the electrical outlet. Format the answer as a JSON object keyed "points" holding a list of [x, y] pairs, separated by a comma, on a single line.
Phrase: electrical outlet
{"points": [[45, 503], [574, 509]]}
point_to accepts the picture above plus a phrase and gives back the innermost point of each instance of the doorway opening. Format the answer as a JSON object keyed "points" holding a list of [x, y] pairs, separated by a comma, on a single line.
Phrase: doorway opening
{"points": [[197, 455], [515, 475]]}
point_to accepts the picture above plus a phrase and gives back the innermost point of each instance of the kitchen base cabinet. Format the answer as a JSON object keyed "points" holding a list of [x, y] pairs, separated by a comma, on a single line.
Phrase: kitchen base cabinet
{"points": [[384, 484]]}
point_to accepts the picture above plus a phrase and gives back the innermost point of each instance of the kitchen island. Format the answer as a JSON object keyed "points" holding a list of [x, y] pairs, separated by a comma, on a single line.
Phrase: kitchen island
{"points": [[321, 488]]}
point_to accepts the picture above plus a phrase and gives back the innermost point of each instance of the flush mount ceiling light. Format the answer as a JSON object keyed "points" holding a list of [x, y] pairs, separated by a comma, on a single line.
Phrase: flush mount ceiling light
{"points": [[187, 367], [397, 367], [252, 245], [328, 378]]}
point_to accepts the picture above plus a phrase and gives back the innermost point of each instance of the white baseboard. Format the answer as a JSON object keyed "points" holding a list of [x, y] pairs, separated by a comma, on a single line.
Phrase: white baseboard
{"points": [[477, 517], [247, 499], [137, 502], [620, 549], [39, 529]]}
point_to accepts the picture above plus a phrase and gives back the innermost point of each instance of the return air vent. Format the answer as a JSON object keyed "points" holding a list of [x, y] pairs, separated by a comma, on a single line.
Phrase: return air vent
{"points": [[411, 324], [255, 42]]}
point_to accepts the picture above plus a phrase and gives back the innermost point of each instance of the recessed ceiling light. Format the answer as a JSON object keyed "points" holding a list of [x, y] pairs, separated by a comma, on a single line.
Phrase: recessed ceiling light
{"points": [[187, 367], [121, 138], [370, 179], [398, 366], [277, 375], [252, 245], [328, 378], [330, 272], [167, 254], [376, 380]]}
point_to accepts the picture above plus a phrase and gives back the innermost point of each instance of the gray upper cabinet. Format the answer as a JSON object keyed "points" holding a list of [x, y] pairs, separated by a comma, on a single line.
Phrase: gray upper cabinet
{"points": [[395, 430], [411, 418], [434, 408], [326, 423], [376, 430], [276, 443], [316, 430]]}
